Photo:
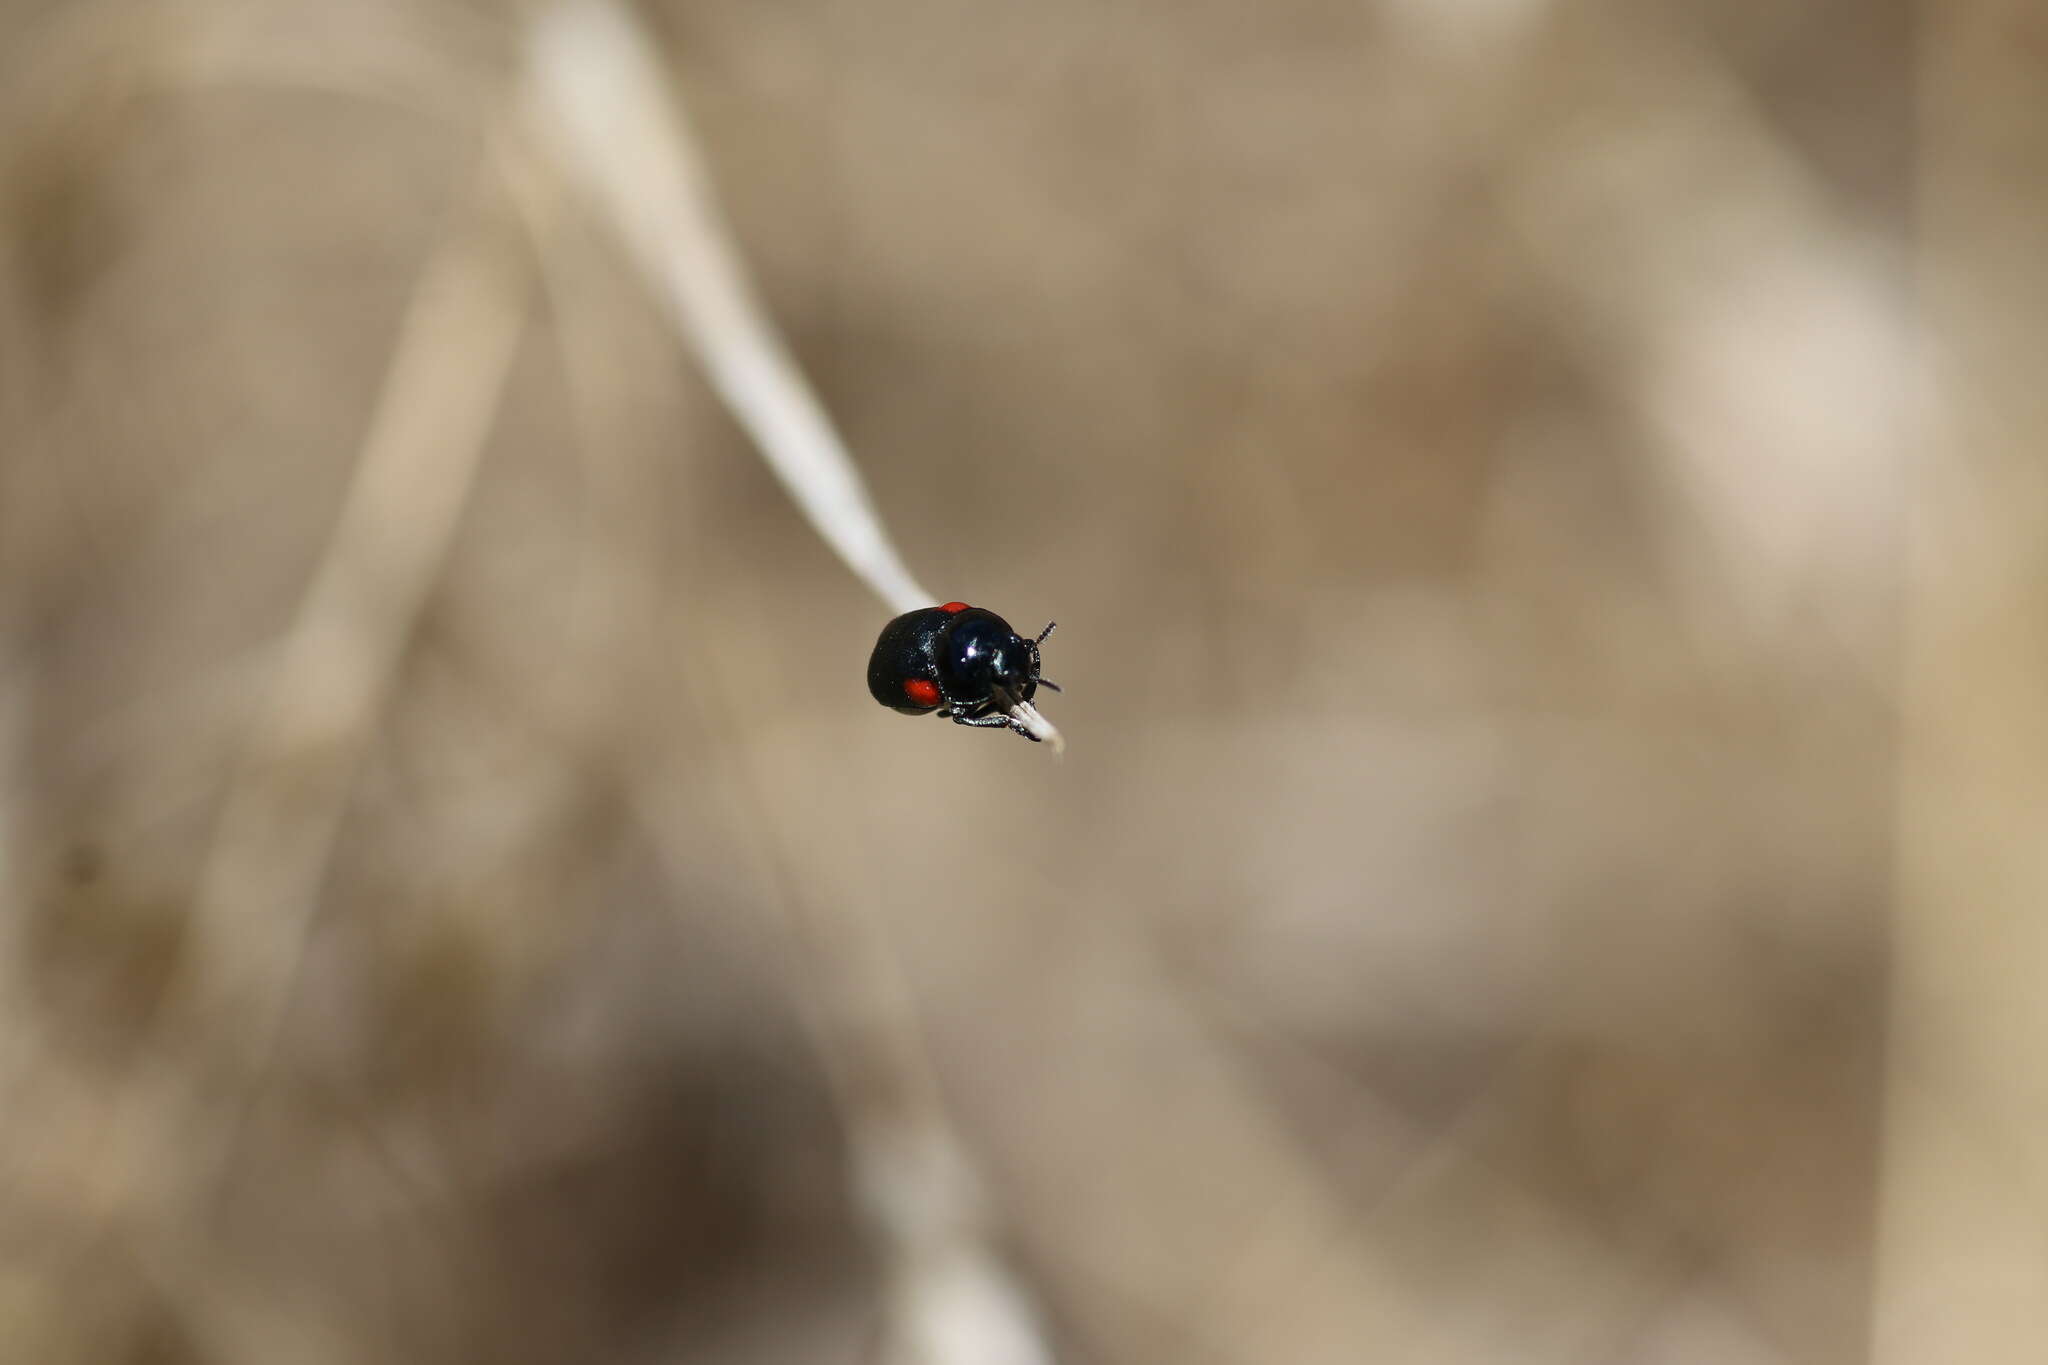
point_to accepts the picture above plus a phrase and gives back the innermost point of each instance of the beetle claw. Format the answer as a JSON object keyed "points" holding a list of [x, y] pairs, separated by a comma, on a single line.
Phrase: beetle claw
{"points": [[1027, 722]]}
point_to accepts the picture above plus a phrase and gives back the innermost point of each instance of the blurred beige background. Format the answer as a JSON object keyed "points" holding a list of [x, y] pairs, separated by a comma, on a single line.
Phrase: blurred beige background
{"points": [[1544, 505]]}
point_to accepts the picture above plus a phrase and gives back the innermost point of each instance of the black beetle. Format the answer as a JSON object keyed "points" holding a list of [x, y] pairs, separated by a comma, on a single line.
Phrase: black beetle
{"points": [[963, 663]]}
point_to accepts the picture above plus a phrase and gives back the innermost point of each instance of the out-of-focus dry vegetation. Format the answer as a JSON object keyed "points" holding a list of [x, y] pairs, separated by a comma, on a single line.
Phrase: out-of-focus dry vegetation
{"points": [[1545, 507]]}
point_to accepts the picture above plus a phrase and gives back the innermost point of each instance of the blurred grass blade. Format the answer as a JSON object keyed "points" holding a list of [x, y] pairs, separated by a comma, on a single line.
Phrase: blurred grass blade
{"points": [[611, 117]]}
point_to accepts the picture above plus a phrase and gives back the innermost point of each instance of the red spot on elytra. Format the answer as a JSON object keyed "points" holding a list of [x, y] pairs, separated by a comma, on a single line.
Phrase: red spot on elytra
{"points": [[954, 606], [922, 691]]}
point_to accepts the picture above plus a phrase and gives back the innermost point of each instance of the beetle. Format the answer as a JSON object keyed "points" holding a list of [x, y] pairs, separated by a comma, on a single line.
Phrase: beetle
{"points": [[962, 663]]}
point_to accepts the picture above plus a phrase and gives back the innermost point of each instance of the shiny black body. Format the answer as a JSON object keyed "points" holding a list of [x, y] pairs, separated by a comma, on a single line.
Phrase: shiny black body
{"points": [[974, 664]]}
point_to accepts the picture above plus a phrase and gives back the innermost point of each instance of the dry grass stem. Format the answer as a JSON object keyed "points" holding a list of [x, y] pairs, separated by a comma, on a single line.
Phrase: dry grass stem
{"points": [[620, 133]]}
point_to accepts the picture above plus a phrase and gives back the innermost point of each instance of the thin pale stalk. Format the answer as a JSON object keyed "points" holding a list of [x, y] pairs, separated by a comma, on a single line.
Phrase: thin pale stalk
{"points": [[619, 132]]}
